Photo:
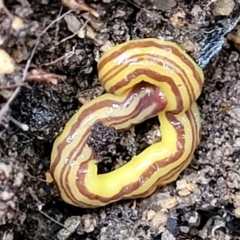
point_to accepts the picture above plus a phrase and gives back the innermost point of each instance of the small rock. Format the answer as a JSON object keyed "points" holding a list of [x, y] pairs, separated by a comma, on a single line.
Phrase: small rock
{"points": [[10, 214], [235, 38], [6, 63], [8, 236], [214, 202], [18, 179], [5, 171], [236, 200], [70, 225], [184, 188], [73, 23], [153, 135], [106, 46], [223, 7], [191, 186], [178, 19], [237, 212], [3, 213], [164, 5], [184, 229], [181, 184], [89, 223], [237, 142], [188, 46], [159, 220], [150, 215], [17, 23], [218, 153], [20, 53], [193, 219], [172, 226], [169, 203], [167, 236], [90, 33], [6, 195], [230, 184], [184, 192]]}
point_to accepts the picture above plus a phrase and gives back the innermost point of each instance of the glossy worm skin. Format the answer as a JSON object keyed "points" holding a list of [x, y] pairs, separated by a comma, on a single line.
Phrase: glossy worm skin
{"points": [[143, 78]]}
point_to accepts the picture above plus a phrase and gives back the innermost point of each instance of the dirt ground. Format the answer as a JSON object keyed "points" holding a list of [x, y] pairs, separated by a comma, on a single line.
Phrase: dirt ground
{"points": [[55, 51]]}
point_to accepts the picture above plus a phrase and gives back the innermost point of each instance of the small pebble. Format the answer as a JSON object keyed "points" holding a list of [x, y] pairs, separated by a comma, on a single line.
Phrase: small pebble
{"points": [[184, 188], [6, 63], [164, 5], [18, 179], [178, 19], [159, 220], [191, 186], [6, 196], [73, 24], [17, 23], [193, 219], [150, 215], [89, 223], [235, 38], [237, 142], [169, 203], [184, 192], [181, 184], [223, 7], [5, 171], [70, 225], [184, 229], [167, 236], [237, 212]]}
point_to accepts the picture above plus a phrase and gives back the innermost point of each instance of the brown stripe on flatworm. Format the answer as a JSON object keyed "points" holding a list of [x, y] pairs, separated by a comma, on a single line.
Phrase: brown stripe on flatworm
{"points": [[150, 43], [74, 127], [153, 75], [111, 73], [145, 101], [155, 185], [99, 105], [161, 179], [194, 127], [80, 182], [188, 159], [164, 179]]}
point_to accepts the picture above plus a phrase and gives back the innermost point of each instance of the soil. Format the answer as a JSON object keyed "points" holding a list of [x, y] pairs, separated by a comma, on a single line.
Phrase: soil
{"points": [[55, 72]]}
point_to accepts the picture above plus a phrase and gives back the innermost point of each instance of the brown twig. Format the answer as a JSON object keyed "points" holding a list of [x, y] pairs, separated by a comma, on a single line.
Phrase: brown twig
{"points": [[79, 4]]}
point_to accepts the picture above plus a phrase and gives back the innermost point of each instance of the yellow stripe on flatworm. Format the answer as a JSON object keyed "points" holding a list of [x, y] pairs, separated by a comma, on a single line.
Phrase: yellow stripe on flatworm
{"points": [[179, 79]]}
